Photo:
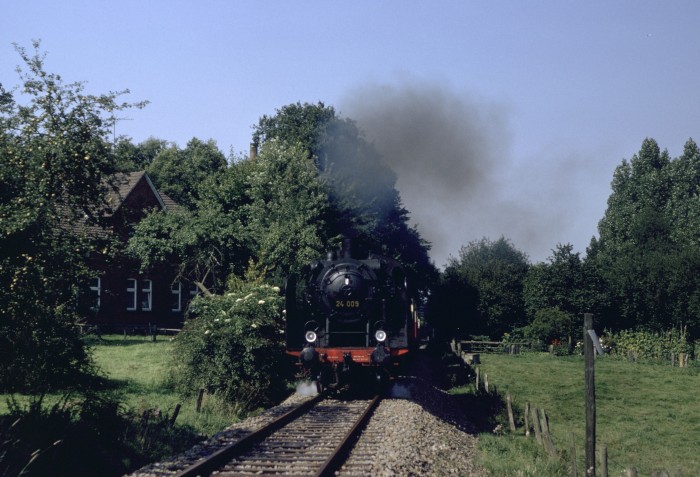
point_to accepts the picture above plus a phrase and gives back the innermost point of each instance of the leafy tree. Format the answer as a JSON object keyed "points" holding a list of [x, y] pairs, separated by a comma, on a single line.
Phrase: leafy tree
{"points": [[131, 157], [180, 172], [54, 159], [288, 208], [647, 250], [565, 284], [363, 202], [495, 271], [209, 242]]}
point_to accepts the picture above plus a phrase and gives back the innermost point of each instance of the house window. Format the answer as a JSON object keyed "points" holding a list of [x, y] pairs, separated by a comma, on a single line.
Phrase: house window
{"points": [[131, 294], [176, 290], [95, 291], [194, 291], [147, 295]]}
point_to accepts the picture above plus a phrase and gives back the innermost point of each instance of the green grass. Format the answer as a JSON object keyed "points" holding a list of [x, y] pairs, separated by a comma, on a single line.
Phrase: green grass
{"points": [[141, 370], [648, 416], [137, 372]]}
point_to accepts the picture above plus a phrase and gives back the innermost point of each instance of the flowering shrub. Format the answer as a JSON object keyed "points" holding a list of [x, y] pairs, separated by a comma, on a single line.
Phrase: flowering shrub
{"points": [[232, 346]]}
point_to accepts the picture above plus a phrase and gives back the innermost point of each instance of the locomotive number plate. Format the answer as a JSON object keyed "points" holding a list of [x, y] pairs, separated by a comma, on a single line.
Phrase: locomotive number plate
{"points": [[347, 303]]}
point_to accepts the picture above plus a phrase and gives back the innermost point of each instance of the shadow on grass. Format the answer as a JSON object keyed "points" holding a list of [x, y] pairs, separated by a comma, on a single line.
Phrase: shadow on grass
{"points": [[90, 437], [485, 411]]}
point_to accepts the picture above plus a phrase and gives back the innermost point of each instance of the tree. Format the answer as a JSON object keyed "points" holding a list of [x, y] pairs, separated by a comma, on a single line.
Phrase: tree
{"points": [[363, 202], [180, 172], [558, 293], [209, 242], [494, 271], [288, 208], [647, 250], [54, 160], [131, 157]]}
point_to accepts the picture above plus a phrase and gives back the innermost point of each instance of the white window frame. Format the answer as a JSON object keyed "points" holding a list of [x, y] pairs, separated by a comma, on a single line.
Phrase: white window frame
{"points": [[194, 291], [176, 290], [147, 295], [96, 289], [131, 292]]}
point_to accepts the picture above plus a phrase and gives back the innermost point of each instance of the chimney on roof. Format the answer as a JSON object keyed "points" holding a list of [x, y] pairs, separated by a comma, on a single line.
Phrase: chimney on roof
{"points": [[253, 150]]}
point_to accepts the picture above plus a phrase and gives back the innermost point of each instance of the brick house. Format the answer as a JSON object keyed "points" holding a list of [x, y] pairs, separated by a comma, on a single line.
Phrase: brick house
{"points": [[122, 296]]}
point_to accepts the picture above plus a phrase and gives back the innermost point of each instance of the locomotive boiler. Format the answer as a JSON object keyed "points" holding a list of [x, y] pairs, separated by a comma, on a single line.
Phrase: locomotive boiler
{"points": [[350, 321]]}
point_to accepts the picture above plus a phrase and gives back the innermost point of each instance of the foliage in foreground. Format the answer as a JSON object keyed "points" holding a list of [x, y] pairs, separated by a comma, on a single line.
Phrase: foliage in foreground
{"points": [[54, 159], [233, 347], [78, 437]]}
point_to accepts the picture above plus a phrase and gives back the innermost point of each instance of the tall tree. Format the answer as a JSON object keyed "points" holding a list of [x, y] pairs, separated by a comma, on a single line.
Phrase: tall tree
{"points": [[54, 159], [648, 240], [495, 272]]}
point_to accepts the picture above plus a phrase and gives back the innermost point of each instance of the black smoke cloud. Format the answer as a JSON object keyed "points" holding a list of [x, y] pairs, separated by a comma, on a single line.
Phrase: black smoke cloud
{"points": [[456, 176]]}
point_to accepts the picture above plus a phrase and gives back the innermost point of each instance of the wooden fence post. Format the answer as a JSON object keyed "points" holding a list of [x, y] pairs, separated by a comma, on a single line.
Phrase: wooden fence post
{"points": [[536, 425], [511, 419], [604, 461], [486, 383], [572, 452], [589, 380], [175, 413], [477, 379], [200, 395], [527, 419], [631, 472], [546, 436]]}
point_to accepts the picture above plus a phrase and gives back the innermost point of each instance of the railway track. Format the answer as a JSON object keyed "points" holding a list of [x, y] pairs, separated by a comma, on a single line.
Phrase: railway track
{"points": [[312, 439]]}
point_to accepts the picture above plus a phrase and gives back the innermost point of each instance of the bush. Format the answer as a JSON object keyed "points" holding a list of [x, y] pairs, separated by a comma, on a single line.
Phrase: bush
{"points": [[232, 346], [552, 327], [648, 345]]}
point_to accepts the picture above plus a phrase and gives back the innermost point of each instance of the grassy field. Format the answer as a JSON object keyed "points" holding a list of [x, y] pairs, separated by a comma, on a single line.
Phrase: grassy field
{"points": [[140, 368], [138, 374], [648, 416]]}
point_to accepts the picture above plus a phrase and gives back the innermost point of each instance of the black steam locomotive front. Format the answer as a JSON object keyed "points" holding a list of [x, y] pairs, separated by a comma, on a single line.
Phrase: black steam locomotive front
{"points": [[345, 313]]}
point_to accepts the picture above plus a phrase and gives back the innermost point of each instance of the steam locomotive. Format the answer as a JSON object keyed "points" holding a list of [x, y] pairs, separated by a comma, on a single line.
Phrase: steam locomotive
{"points": [[350, 321]]}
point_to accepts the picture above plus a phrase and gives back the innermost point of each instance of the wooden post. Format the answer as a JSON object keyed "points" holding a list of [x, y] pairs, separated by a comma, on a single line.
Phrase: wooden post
{"points": [[200, 395], [477, 379], [175, 413], [604, 461], [631, 472], [511, 419], [589, 360], [527, 419], [536, 425], [546, 436], [486, 383], [572, 453]]}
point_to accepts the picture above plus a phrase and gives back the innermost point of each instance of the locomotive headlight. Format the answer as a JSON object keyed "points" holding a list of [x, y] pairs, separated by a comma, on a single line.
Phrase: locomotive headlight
{"points": [[310, 336], [380, 335]]}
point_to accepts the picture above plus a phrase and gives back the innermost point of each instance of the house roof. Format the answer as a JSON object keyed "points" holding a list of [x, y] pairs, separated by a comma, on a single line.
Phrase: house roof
{"points": [[118, 188], [123, 184]]}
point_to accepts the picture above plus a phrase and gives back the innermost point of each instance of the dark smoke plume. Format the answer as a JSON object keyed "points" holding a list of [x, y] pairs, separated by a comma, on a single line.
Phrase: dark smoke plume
{"points": [[459, 180], [447, 152]]}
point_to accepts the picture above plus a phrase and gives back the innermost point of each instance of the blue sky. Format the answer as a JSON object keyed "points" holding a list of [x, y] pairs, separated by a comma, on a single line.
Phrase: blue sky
{"points": [[500, 117]]}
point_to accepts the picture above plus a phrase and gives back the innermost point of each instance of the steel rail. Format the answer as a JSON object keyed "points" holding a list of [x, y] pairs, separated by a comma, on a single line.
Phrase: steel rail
{"points": [[333, 462], [216, 460]]}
